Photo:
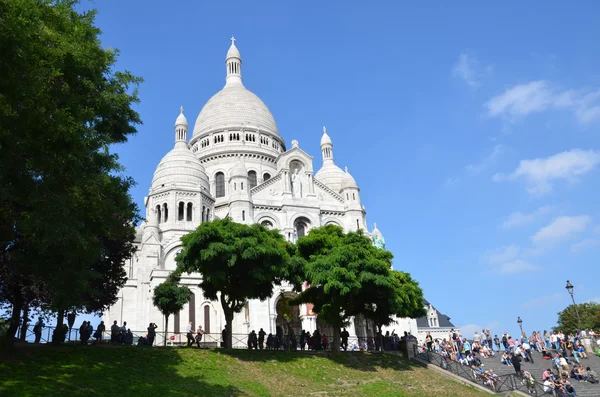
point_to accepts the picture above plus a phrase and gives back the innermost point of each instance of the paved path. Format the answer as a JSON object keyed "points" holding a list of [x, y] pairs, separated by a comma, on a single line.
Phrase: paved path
{"points": [[583, 389]]}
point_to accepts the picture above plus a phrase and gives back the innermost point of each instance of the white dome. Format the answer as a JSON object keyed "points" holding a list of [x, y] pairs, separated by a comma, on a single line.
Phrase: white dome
{"points": [[331, 175], [325, 139], [180, 168], [348, 181], [233, 52], [234, 107], [181, 120]]}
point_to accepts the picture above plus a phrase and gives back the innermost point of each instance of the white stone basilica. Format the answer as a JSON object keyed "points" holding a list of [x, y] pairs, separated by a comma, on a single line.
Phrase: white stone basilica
{"points": [[236, 164]]}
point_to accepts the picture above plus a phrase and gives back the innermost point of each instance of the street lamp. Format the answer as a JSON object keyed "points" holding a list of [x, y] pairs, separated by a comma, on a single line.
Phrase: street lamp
{"points": [[569, 288], [520, 322]]}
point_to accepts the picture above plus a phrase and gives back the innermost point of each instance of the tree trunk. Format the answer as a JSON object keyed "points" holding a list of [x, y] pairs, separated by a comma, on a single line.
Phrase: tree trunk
{"points": [[14, 323], [57, 337], [25, 325], [335, 345], [228, 323], [166, 328]]}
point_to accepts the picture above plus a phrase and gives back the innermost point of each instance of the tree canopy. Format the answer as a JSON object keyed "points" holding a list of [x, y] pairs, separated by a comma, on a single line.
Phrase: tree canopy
{"points": [[67, 220], [237, 262], [170, 297], [588, 312], [348, 276]]}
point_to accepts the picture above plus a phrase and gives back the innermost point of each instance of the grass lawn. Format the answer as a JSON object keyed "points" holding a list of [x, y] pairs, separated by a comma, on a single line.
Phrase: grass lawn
{"points": [[136, 371]]}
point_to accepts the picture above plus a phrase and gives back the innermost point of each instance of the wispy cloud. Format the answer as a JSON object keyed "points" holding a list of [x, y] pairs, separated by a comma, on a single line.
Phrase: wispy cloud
{"points": [[468, 69], [488, 161], [562, 228], [538, 96], [506, 260], [539, 173], [536, 303], [520, 219], [451, 181], [585, 244]]}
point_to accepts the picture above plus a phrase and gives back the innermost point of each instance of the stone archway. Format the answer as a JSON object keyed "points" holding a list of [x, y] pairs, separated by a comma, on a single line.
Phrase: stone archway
{"points": [[288, 319]]}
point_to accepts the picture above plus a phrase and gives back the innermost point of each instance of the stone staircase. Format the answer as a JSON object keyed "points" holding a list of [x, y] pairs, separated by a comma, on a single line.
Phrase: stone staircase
{"points": [[583, 389]]}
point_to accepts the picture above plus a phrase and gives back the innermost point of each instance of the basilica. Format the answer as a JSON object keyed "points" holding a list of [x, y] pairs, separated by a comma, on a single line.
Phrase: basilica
{"points": [[236, 164]]}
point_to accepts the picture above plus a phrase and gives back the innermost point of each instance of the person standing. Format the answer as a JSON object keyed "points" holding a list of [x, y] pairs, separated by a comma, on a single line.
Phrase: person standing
{"points": [[429, 341], [37, 330], [199, 333], [344, 335], [261, 339], [114, 332], [516, 362], [224, 337], [151, 333], [100, 332], [190, 334]]}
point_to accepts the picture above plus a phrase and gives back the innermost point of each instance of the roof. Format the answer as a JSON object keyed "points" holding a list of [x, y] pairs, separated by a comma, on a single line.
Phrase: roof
{"points": [[443, 320]]}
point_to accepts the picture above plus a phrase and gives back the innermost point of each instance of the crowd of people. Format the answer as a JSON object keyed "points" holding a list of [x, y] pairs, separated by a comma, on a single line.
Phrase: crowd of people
{"points": [[565, 351]]}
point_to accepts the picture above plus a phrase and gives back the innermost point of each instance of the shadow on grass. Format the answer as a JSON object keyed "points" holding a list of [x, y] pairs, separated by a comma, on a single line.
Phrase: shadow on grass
{"points": [[362, 361], [104, 371]]}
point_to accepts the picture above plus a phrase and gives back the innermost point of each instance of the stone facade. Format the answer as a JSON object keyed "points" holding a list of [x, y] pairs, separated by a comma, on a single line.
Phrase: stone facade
{"points": [[236, 164]]}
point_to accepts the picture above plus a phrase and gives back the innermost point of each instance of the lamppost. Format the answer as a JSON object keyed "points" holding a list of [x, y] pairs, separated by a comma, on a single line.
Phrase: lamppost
{"points": [[520, 322], [569, 288]]}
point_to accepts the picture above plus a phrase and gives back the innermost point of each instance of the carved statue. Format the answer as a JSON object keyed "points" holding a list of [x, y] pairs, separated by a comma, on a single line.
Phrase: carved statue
{"points": [[296, 184], [377, 237]]}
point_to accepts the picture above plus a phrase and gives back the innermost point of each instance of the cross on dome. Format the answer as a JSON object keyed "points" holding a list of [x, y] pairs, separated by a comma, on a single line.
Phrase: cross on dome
{"points": [[324, 130], [181, 110], [232, 40]]}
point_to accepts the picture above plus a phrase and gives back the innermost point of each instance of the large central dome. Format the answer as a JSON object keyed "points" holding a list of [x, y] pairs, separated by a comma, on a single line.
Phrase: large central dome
{"points": [[234, 107]]}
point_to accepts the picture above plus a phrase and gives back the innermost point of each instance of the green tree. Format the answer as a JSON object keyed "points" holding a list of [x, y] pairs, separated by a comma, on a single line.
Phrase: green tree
{"points": [[170, 297], [402, 298], [65, 203], [237, 262], [345, 271], [588, 312]]}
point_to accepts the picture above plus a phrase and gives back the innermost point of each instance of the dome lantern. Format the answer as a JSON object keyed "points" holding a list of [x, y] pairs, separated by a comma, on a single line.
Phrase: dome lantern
{"points": [[326, 147], [234, 65], [181, 127]]}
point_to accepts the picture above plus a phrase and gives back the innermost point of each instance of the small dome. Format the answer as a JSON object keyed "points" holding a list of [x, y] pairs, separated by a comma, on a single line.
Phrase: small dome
{"points": [[331, 175], [233, 52], [239, 169], [325, 139], [181, 120], [348, 181], [181, 168]]}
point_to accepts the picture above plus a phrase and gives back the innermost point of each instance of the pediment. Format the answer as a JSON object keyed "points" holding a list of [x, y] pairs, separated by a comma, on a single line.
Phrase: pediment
{"points": [[270, 189], [285, 160]]}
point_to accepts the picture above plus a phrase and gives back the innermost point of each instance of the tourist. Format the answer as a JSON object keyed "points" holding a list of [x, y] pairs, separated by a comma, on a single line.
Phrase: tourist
{"points": [[344, 335], [466, 346], [590, 375], [497, 342], [506, 359], [505, 341], [270, 342], [324, 342], [100, 332], [151, 333], [128, 339], [302, 339], [189, 331], [516, 362], [261, 338], [114, 332], [199, 333], [123, 332], [37, 330], [429, 341]]}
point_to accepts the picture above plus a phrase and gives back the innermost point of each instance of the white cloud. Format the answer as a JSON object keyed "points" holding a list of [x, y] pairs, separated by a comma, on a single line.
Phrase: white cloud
{"points": [[469, 330], [587, 243], [451, 181], [538, 96], [517, 266], [541, 301], [506, 260], [519, 219], [561, 228], [595, 300], [504, 254], [541, 172], [489, 160], [468, 69]]}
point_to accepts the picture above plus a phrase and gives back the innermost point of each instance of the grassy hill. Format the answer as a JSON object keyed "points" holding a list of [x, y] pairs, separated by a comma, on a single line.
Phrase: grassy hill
{"points": [[135, 371]]}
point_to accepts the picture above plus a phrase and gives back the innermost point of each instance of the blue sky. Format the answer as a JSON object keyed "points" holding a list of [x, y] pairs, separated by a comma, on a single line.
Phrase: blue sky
{"points": [[471, 128]]}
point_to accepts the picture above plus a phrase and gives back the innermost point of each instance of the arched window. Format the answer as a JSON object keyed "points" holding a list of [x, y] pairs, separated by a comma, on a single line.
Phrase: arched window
{"points": [[301, 226], [207, 319], [267, 224], [220, 184], [189, 212], [165, 212], [243, 215], [207, 215], [353, 196], [252, 179], [266, 176], [158, 214], [357, 225], [180, 210]]}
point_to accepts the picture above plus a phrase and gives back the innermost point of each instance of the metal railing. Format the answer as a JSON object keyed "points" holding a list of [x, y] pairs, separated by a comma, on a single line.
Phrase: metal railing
{"points": [[503, 383], [208, 340]]}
